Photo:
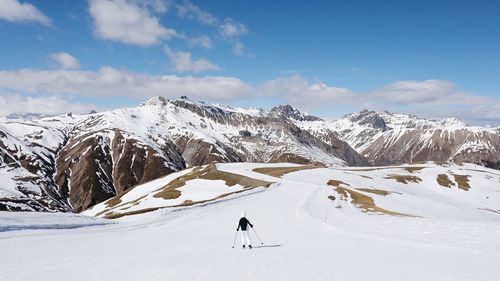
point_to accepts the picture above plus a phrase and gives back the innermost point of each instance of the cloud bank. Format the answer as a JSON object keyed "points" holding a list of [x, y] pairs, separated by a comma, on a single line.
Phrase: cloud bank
{"points": [[127, 22], [183, 62], [430, 98], [15, 11], [47, 105]]}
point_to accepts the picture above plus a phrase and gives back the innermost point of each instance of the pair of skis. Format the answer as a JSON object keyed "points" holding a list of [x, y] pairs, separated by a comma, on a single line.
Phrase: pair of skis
{"points": [[236, 235]]}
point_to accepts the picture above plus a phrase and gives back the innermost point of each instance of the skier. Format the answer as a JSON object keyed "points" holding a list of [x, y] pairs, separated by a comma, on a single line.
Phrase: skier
{"points": [[245, 236]]}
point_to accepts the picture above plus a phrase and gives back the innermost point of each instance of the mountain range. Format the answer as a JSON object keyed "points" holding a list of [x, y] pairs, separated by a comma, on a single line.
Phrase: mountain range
{"points": [[72, 162]]}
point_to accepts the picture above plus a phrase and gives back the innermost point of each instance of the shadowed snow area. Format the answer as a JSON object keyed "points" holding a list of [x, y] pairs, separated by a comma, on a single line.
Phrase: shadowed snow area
{"points": [[10, 221], [313, 222]]}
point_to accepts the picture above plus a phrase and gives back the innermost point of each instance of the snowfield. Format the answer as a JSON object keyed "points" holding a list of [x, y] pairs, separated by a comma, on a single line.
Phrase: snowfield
{"points": [[414, 222]]}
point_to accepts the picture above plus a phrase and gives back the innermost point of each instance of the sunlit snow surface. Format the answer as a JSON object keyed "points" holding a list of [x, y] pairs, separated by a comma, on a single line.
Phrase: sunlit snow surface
{"points": [[306, 235]]}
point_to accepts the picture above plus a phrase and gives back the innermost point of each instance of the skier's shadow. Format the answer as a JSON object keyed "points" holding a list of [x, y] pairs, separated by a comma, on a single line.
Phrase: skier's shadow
{"points": [[267, 246]]}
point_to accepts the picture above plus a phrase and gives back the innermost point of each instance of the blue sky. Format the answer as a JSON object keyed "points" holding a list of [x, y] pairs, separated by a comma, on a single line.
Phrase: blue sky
{"points": [[432, 58]]}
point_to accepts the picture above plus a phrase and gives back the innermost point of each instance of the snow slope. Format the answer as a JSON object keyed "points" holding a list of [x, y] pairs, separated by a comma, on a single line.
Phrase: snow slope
{"points": [[451, 236]]}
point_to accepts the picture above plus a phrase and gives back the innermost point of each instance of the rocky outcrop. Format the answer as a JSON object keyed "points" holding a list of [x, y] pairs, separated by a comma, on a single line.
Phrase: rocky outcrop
{"points": [[97, 156], [386, 138], [93, 168], [288, 112], [368, 118], [27, 165], [72, 162]]}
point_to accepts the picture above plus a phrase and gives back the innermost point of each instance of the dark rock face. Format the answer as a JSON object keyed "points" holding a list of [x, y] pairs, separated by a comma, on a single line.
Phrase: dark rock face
{"points": [[345, 150], [31, 165], [245, 134], [416, 140], [91, 168], [85, 165], [92, 158], [441, 147], [288, 112], [197, 152], [370, 118], [70, 163]]}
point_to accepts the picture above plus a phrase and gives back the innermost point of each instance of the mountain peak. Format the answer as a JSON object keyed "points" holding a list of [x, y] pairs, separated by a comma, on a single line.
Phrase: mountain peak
{"points": [[287, 111], [452, 122], [367, 117], [157, 100]]}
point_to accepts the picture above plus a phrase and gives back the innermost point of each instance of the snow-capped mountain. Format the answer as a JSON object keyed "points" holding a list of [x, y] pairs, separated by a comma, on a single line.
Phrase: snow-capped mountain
{"points": [[72, 162], [386, 138]]}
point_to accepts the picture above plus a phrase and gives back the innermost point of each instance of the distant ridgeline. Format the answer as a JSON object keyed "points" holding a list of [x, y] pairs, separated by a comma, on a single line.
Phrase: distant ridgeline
{"points": [[73, 162]]}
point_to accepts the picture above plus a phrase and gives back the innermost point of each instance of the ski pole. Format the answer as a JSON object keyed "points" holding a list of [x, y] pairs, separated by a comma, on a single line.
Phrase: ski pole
{"points": [[257, 236], [235, 235]]}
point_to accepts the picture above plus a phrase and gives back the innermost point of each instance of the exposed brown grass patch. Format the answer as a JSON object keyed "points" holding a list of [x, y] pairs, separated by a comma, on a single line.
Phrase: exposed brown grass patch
{"points": [[462, 181], [336, 183], [413, 169], [114, 215], [279, 172], [443, 180], [366, 203], [128, 204], [210, 172], [403, 178], [114, 201], [331, 197], [170, 191], [366, 177], [186, 203]]}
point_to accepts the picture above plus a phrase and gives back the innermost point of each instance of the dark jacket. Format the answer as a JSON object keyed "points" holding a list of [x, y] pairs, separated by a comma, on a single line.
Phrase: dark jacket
{"points": [[243, 224]]}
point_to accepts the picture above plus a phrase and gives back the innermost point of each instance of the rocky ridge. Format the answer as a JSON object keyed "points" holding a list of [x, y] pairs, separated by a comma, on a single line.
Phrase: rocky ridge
{"points": [[72, 162]]}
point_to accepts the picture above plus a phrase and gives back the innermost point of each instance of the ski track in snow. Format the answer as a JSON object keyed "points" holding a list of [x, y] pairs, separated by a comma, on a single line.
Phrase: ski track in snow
{"points": [[194, 243]]}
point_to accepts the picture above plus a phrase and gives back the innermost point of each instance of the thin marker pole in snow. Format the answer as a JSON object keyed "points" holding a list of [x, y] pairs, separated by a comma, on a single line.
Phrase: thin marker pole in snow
{"points": [[235, 235]]}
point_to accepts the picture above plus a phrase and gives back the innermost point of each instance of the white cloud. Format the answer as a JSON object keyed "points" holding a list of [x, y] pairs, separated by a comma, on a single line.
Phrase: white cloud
{"points": [[16, 103], [232, 29], [427, 98], [127, 22], [15, 11], [304, 94], [183, 62], [158, 6], [201, 41], [65, 60], [429, 92], [238, 48], [445, 99], [436, 99], [228, 29], [193, 12], [112, 82]]}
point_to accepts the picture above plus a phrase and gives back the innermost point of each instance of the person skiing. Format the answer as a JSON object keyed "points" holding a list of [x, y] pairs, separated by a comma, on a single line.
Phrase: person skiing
{"points": [[245, 236]]}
